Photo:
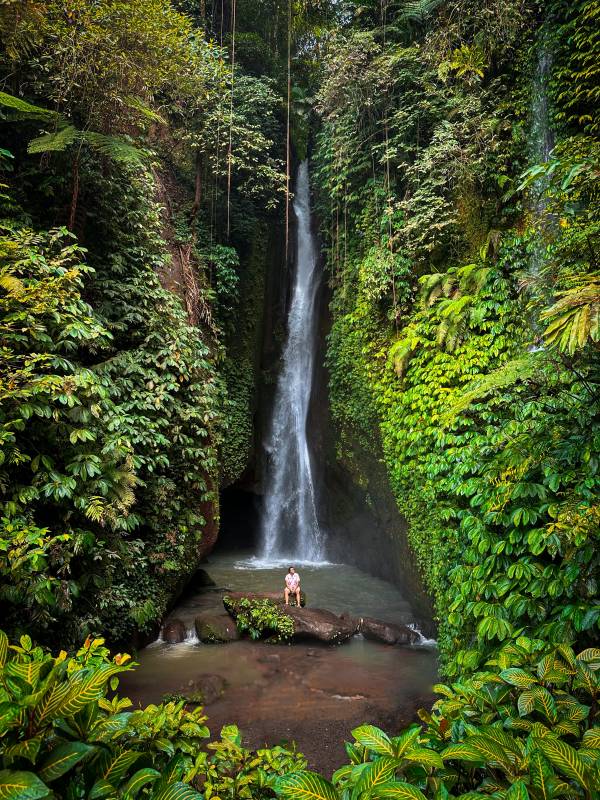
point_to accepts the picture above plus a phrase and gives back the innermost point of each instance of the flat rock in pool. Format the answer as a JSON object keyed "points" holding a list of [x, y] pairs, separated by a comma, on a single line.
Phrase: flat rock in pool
{"points": [[320, 624], [174, 631], [275, 597], [216, 627], [387, 632]]}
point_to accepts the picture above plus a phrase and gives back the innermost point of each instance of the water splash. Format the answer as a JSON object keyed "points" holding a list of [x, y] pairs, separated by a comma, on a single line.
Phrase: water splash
{"points": [[290, 527]]}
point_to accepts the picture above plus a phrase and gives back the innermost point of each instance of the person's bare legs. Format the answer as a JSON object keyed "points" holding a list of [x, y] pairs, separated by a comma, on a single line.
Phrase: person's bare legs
{"points": [[298, 597], [286, 594]]}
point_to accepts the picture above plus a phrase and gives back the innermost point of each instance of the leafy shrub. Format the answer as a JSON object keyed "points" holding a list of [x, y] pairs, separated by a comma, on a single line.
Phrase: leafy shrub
{"points": [[260, 618], [62, 737]]}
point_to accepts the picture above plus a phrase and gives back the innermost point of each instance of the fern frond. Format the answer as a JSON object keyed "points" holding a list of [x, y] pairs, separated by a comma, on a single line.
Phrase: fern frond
{"points": [[519, 369], [144, 110], [575, 317], [114, 147], [23, 107], [418, 10], [11, 285], [54, 142]]}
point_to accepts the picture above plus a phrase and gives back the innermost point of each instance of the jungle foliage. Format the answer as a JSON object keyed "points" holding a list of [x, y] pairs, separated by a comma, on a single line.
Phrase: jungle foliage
{"points": [[138, 163], [457, 175]]}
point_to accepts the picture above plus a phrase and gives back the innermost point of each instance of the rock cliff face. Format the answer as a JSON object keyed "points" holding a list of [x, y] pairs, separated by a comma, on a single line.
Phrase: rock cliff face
{"points": [[357, 508]]}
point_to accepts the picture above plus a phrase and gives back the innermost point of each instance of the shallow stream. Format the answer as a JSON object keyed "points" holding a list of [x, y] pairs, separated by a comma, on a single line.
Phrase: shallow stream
{"points": [[311, 694]]}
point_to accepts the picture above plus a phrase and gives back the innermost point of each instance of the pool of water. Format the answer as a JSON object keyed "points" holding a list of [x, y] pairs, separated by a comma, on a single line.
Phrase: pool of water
{"points": [[310, 694]]}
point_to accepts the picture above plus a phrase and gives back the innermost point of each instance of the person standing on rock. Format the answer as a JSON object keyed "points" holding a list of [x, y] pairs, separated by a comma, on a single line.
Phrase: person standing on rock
{"points": [[292, 586]]}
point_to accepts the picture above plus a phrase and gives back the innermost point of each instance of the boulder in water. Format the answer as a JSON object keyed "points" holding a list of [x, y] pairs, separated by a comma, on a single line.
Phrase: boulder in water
{"points": [[216, 627], [174, 631], [387, 632], [320, 624], [275, 597], [205, 689]]}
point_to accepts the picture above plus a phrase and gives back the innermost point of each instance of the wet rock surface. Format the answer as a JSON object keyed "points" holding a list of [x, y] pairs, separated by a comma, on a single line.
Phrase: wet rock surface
{"points": [[320, 624], [174, 631], [216, 627], [205, 689], [387, 632]]}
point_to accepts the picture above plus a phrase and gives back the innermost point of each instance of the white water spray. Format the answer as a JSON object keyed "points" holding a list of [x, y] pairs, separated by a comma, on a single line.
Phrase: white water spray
{"points": [[290, 528]]}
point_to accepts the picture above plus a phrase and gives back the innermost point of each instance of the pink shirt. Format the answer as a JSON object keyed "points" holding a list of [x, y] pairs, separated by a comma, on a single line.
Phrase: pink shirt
{"points": [[292, 581]]}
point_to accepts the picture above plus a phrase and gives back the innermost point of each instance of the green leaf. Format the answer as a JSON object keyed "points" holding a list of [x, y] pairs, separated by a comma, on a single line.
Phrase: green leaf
{"points": [[102, 789], [305, 786], [141, 778], [526, 703], [564, 758], [403, 742], [380, 771], [425, 757], [463, 752], [397, 789], [591, 738], [540, 773], [518, 677], [3, 648], [56, 141], [177, 791], [64, 758], [591, 656], [22, 106], [517, 791], [21, 786], [374, 740]]}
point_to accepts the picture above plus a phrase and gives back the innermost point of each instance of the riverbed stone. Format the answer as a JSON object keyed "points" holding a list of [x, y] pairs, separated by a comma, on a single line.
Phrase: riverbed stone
{"points": [[319, 624], [216, 627], [275, 597], [386, 632], [174, 631], [206, 688]]}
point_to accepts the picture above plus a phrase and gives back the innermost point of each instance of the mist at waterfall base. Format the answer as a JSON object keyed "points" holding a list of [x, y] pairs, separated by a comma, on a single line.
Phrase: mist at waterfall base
{"points": [[290, 528]]}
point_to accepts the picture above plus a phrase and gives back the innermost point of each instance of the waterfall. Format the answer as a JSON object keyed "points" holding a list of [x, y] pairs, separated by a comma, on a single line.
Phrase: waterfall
{"points": [[540, 146], [289, 525]]}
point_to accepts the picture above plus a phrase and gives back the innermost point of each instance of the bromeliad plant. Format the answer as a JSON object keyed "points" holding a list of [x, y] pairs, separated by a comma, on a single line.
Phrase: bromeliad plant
{"points": [[523, 729]]}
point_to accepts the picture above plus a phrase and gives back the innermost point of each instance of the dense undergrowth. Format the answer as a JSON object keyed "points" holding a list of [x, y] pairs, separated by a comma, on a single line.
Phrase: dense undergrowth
{"points": [[140, 170]]}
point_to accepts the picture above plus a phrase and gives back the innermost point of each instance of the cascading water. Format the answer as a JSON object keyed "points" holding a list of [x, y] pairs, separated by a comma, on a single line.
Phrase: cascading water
{"points": [[289, 526], [541, 143]]}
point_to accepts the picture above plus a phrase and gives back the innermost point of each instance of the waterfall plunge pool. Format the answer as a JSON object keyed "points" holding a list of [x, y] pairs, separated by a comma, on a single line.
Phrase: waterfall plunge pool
{"points": [[310, 694]]}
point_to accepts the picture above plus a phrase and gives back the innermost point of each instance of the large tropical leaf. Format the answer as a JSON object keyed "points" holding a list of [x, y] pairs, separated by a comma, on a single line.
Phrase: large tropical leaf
{"points": [[380, 771], [398, 790], [21, 786], [63, 758], [374, 739], [177, 791], [56, 141], [141, 778], [564, 757], [305, 786], [23, 107]]}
